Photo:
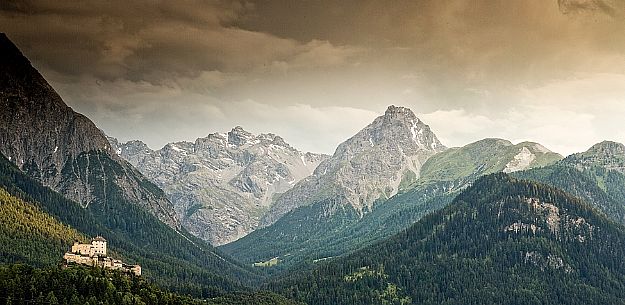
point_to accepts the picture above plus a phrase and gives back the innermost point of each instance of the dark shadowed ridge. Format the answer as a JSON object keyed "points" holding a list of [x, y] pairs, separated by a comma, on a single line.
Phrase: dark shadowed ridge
{"points": [[61, 148]]}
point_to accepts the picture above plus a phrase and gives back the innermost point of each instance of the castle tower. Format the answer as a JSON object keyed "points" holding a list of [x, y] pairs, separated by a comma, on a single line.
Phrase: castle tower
{"points": [[99, 246]]}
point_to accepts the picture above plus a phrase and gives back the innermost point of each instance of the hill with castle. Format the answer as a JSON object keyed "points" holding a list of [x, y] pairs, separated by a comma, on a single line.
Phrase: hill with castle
{"points": [[94, 254]]}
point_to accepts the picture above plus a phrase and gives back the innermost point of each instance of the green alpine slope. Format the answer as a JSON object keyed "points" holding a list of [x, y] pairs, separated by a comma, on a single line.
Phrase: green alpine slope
{"points": [[596, 175]]}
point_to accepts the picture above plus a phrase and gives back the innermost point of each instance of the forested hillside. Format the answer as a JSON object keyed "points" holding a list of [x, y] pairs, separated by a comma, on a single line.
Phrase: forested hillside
{"points": [[175, 260], [502, 241], [596, 175], [20, 284], [29, 235], [599, 187]]}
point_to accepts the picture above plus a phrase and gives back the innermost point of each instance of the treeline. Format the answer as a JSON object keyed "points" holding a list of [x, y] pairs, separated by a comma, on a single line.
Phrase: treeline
{"points": [[302, 237]]}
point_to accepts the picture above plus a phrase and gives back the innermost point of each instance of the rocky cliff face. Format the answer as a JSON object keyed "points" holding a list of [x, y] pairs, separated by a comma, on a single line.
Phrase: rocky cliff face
{"points": [[62, 148], [372, 165], [222, 184]]}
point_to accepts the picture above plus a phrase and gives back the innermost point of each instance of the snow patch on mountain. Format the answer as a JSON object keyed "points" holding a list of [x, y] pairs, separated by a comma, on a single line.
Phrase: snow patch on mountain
{"points": [[521, 161]]}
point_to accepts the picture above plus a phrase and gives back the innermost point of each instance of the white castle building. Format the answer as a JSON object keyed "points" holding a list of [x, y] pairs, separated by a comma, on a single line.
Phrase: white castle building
{"points": [[94, 254]]}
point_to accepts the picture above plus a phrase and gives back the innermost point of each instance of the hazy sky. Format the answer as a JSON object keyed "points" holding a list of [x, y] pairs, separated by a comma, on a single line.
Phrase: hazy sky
{"points": [[316, 72]]}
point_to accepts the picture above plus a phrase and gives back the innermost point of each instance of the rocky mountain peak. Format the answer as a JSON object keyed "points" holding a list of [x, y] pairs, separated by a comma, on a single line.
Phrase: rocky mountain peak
{"points": [[12, 55], [239, 136], [371, 165], [138, 145], [399, 127], [275, 139], [7, 46], [401, 116], [394, 112], [20, 79], [37, 128]]}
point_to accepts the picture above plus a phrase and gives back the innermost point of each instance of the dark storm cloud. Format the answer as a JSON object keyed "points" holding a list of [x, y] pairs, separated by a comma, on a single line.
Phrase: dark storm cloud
{"points": [[140, 66], [458, 53], [112, 39], [13, 6], [143, 40], [161, 41]]}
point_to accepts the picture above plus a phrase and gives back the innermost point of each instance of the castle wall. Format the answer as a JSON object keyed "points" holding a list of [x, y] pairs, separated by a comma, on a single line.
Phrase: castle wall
{"points": [[94, 254]]}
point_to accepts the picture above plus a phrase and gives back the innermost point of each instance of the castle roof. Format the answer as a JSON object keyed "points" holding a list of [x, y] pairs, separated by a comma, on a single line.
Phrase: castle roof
{"points": [[99, 238]]}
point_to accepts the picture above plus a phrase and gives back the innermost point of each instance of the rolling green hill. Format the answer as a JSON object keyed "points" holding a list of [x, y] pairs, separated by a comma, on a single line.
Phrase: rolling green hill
{"points": [[484, 157]]}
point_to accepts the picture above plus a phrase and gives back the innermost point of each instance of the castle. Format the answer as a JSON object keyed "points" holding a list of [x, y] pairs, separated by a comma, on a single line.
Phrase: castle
{"points": [[94, 254]]}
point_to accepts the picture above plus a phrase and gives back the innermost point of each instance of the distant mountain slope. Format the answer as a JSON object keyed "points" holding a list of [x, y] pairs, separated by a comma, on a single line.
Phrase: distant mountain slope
{"points": [[304, 234], [174, 259], [502, 241], [596, 175], [61, 148], [29, 235], [46, 142], [446, 174], [463, 164], [222, 184], [607, 154]]}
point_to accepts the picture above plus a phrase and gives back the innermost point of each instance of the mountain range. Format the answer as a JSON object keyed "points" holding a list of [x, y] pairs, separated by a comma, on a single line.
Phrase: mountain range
{"points": [[393, 216], [221, 185], [298, 237]]}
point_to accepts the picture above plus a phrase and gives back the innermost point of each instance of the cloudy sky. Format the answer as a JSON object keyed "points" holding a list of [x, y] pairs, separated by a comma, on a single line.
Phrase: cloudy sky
{"points": [[316, 72]]}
